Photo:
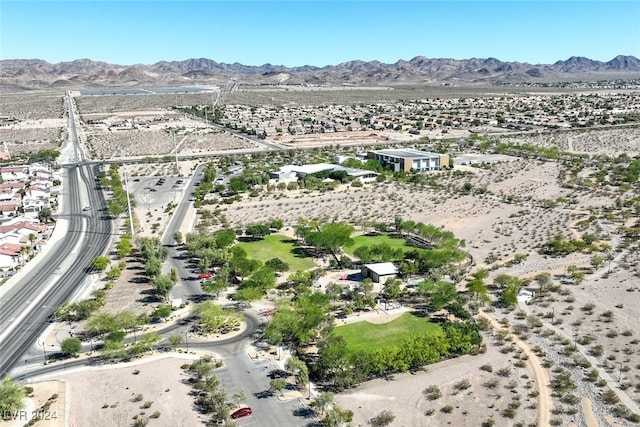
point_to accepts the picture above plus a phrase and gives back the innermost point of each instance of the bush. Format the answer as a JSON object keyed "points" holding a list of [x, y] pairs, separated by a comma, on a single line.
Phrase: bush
{"points": [[610, 397], [509, 412], [446, 409], [462, 385], [432, 392]]}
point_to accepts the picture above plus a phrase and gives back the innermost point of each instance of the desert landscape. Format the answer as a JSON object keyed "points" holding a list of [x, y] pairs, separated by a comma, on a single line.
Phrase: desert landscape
{"points": [[580, 329]]}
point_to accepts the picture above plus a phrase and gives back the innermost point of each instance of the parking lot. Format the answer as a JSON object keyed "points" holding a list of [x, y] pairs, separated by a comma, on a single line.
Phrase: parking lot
{"points": [[155, 193]]}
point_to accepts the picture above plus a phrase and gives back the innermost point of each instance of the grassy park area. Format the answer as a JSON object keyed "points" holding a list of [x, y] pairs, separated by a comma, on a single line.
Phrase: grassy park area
{"points": [[366, 336], [278, 246], [379, 239]]}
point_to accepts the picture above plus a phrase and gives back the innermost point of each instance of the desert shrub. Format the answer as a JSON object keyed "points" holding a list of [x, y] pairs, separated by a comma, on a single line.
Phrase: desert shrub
{"points": [[504, 372], [432, 392], [610, 397], [491, 384], [462, 385], [446, 409], [570, 399], [509, 412]]}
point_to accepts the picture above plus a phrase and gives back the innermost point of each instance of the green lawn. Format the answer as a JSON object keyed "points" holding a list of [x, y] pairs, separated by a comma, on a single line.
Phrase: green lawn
{"points": [[366, 336], [394, 242], [278, 246]]}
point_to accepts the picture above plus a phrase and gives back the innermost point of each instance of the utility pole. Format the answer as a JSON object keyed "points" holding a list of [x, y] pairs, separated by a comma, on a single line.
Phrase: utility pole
{"points": [[175, 149], [126, 188]]}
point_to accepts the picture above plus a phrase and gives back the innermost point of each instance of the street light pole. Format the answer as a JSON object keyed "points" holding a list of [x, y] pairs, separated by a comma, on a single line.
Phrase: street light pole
{"points": [[175, 149], [620, 372], [44, 350], [126, 187]]}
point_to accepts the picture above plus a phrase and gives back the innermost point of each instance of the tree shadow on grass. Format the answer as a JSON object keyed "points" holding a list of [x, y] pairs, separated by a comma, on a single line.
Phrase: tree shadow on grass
{"points": [[299, 252]]}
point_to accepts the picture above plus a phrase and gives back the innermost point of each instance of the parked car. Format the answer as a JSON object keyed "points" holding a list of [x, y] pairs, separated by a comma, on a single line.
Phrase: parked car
{"points": [[205, 276], [242, 412]]}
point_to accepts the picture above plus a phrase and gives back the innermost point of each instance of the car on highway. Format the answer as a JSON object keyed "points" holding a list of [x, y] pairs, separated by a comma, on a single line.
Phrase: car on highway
{"points": [[86, 208], [242, 412]]}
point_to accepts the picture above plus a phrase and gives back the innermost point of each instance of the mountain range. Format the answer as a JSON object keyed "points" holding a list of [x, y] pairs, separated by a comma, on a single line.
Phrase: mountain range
{"points": [[20, 74]]}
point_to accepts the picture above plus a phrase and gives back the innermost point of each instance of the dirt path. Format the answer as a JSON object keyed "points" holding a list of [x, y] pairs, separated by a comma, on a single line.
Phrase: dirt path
{"points": [[545, 403], [587, 411]]}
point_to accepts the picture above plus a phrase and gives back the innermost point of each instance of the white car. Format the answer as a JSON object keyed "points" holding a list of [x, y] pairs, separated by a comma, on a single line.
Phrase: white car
{"points": [[86, 208]]}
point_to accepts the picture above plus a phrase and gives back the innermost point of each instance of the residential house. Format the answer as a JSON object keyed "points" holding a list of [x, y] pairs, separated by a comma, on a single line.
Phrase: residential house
{"points": [[8, 210], [14, 173], [9, 255]]}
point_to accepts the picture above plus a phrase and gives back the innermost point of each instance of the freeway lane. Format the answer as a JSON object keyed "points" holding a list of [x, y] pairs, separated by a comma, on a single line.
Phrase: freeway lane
{"points": [[86, 237], [61, 270]]}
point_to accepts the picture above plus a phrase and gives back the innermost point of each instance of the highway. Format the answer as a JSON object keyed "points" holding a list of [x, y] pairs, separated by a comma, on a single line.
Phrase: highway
{"points": [[61, 274], [61, 270]]}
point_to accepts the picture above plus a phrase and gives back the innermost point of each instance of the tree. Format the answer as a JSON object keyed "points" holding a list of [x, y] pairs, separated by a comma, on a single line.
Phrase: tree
{"points": [[397, 222], [276, 224], [258, 231], [100, 263], [163, 285], [239, 397], [11, 396], [153, 267], [277, 385], [442, 295], [277, 264], [383, 419], [202, 367], [162, 312], [124, 246], [323, 401], [543, 280], [298, 368], [71, 346], [337, 416], [597, 261], [44, 215], [177, 236], [331, 237], [478, 289], [215, 286], [237, 185], [174, 340], [392, 288]]}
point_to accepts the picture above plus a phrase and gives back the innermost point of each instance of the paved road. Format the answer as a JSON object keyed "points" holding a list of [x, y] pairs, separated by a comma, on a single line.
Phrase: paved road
{"points": [[29, 301], [61, 273]]}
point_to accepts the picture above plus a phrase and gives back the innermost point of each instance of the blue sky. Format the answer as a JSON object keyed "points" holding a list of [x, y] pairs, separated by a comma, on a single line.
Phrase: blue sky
{"points": [[313, 32]]}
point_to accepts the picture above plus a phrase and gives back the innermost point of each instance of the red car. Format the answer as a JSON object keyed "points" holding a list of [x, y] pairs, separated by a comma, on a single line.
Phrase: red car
{"points": [[242, 412], [205, 276]]}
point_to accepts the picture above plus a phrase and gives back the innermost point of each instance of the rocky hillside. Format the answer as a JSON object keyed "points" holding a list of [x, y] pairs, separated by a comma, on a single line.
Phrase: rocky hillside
{"points": [[38, 74]]}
